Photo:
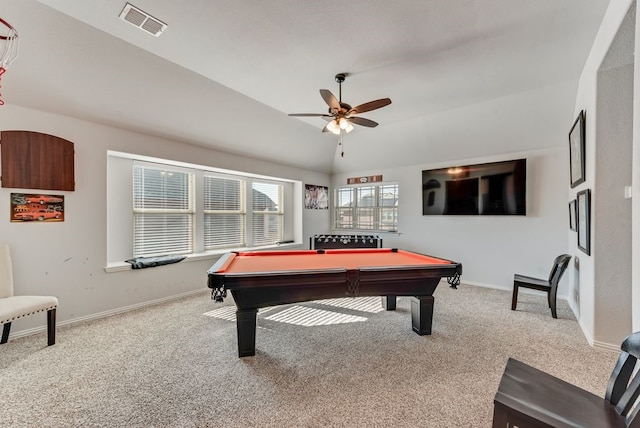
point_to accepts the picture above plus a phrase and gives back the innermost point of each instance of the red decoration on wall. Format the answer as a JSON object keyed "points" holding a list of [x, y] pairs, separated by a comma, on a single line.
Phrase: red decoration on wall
{"points": [[362, 180]]}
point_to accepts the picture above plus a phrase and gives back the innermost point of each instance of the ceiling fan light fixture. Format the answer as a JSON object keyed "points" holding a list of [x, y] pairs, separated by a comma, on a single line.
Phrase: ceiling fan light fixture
{"points": [[349, 127], [333, 127]]}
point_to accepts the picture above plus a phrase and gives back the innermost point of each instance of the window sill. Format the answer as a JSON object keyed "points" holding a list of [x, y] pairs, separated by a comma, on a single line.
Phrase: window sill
{"points": [[365, 232], [195, 257]]}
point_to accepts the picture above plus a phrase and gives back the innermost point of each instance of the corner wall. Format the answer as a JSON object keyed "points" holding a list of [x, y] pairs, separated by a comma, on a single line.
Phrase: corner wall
{"points": [[603, 307]]}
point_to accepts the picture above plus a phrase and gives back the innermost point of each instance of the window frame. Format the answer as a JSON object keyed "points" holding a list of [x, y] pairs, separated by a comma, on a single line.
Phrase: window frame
{"points": [[241, 212], [279, 213], [119, 208], [162, 212], [358, 210]]}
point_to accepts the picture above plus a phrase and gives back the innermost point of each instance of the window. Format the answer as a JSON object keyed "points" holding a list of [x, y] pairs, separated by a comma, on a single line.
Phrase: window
{"points": [[371, 207], [160, 207], [162, 211], [224, 212], [267, 213]]}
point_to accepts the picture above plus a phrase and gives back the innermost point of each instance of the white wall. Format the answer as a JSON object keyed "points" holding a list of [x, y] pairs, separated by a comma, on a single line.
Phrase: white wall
{"points": [[67, 259], [600, 310], [635, 201], [490, 248]]}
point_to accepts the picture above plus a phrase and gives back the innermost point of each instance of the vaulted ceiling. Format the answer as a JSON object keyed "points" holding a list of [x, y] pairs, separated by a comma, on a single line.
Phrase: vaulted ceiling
{"points": [[467, 78]]}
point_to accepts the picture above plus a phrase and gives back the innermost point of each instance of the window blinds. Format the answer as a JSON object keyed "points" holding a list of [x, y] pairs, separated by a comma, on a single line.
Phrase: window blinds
{"points": [[162, 210]]}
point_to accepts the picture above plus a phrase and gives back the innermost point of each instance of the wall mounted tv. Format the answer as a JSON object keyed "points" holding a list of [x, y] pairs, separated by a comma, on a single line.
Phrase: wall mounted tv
{"points": [[498, 188]]}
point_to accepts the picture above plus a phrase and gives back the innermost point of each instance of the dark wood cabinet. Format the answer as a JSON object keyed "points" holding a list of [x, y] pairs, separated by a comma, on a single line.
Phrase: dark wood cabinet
{"points": [[32, 160]]}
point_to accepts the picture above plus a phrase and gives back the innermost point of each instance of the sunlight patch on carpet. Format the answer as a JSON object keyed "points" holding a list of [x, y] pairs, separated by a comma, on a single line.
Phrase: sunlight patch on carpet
{"points": [[308, 317], [229, 312], [364, 304]]}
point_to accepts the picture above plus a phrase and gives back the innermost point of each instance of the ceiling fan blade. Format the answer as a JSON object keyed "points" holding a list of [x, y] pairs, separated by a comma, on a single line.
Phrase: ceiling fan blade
{"points": [[309, 115], [330, 99], [363, 122], [371, 105]]}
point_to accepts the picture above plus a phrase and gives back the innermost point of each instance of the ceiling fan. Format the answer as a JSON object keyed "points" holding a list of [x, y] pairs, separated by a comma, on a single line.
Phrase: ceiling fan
{"points": [[341, 116]]}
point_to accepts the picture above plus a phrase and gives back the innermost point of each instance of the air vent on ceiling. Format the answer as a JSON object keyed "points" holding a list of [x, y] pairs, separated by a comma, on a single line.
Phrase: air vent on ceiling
{"points": [[142, 20]]}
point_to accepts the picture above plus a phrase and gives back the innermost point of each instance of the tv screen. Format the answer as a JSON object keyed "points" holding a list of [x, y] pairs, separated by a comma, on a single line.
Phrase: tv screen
{"points": [[498, 188]]}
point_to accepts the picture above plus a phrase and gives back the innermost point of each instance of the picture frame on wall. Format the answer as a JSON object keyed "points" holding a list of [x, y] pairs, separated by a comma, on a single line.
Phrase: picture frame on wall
{"points": [[572, 215], [577, 150], [316, 197], [27, 207], [583, 205]]}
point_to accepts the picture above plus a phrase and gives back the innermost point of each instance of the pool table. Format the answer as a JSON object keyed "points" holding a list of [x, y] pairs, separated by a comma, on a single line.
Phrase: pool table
{"points": [[259, 279]]}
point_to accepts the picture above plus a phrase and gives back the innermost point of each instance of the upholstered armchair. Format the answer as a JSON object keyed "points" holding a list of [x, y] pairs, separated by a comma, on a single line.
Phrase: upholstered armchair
{"points": [[14, 307]]}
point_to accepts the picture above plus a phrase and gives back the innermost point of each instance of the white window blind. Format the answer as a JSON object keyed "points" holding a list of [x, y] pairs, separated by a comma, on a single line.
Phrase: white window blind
{"points": [[267, 213], [224, 212], [373, 207], [162, 210]]}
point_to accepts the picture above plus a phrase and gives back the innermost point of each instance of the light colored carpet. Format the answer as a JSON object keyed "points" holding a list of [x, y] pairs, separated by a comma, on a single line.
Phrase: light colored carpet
{"points": [[176, 365]]}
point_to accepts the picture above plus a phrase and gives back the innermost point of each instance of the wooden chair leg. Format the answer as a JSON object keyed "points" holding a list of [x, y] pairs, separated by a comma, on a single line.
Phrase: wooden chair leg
{"points": [[5, 332], [51, 327], [500, 416], [514, 299], [552, 305]]}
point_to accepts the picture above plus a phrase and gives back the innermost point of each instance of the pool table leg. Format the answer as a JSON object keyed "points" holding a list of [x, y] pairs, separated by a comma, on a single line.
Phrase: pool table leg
{"points": [[389, 303], [246, 325], [422, 314]]}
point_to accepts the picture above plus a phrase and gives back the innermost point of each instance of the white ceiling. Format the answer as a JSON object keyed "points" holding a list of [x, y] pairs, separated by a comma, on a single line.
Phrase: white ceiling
{"points": [[467, 78]]}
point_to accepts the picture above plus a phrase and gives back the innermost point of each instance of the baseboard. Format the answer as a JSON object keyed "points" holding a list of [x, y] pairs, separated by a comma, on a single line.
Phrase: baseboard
{"points": [[607, 346], [109, 313], [484, 285], [510, 288]]}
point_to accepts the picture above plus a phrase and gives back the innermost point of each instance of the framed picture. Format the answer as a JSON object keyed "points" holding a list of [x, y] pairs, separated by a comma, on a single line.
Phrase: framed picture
{"points": [[583, 203], [36, 207], [576, 151], [572, 215], [316, 197]]}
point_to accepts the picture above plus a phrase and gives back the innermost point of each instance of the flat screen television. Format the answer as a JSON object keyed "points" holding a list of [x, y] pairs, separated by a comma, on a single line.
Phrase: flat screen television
{"points": [[497, 188]]}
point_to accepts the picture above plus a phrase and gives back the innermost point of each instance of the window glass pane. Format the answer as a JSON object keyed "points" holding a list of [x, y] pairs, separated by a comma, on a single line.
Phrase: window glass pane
{"points": [[224, 214], [163, 214], [223, 230], [162, 234], [388, 196], [366, 196], [266, 197], [160, 189], [387, 218], [267, 228], [365, 218], [367, 207], [344, 218], [345, 197], [222, 194]]}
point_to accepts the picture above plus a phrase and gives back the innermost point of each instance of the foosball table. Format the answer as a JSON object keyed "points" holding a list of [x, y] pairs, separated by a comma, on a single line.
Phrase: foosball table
{"points": [[329, 242]]}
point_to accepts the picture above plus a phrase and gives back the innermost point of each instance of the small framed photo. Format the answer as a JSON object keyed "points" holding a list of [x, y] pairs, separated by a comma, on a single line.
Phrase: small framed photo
{"points": [[577, 151], [583, 203], [572, 215]]}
